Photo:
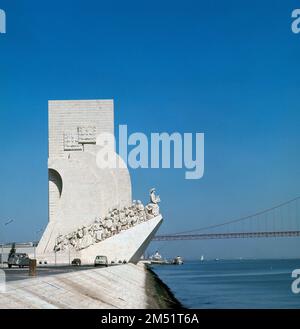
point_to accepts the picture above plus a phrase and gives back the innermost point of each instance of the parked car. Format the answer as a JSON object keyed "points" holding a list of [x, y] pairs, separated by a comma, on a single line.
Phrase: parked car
{"points": [[18, 259], [76, 262], [101, 261]]}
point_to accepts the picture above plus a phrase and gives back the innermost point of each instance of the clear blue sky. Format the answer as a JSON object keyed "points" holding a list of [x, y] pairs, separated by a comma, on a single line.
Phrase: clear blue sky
{"points": [[229, 69]]}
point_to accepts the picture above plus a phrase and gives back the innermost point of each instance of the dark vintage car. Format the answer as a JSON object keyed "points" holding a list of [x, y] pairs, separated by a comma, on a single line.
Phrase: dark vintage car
{"points": [[18, 259], [76, 262]]}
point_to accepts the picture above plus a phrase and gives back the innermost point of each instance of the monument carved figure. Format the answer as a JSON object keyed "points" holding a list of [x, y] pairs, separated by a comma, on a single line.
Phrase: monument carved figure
{"points": [[152, 208]]}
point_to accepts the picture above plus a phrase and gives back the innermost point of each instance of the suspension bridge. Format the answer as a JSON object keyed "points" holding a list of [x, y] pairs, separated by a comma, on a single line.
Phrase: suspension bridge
{"points": [[281, 220]]}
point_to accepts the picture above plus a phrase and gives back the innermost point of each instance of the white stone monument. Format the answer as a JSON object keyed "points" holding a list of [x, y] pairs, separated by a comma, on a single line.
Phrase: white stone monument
{"points": [[90, 209]]}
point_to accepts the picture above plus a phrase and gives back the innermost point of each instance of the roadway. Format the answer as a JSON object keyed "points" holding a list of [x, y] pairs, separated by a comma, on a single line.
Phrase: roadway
{"points": [[15, 274]]}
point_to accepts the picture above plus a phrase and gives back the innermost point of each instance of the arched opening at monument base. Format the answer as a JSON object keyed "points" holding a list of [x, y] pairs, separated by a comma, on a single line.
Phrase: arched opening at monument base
{"points": [[55, 190]]}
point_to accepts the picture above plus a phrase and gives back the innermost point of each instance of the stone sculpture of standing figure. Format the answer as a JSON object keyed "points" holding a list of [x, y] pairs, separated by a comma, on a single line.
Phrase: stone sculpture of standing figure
{"points": [[152, 208]]}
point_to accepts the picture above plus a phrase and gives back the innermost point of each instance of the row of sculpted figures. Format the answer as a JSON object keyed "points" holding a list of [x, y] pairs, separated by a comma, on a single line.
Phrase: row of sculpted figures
{"points": [[115, 222]]}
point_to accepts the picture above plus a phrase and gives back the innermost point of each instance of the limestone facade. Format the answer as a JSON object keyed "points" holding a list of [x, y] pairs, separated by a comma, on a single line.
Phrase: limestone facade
{"points": [[80, 191]]}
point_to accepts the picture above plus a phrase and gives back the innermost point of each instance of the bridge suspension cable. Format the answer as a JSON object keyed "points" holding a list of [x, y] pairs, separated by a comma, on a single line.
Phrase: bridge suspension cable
{"points": [[240, 219]]}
